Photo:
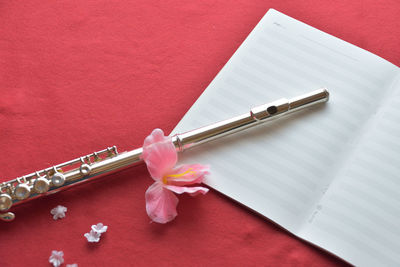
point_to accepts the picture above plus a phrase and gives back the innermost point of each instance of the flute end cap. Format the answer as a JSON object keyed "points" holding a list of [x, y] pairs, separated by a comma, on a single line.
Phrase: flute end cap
{"points": [[326, 92]]}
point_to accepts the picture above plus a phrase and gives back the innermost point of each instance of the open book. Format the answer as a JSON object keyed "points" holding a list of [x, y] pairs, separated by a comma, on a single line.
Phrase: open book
{"points": [[329, 174]]}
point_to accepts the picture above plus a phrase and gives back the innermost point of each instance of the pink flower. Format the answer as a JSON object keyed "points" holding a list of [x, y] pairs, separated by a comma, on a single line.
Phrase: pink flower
{"points": [[160, 156]]}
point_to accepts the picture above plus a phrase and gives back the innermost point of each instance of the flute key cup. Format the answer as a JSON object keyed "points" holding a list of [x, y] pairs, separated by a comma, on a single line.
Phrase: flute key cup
{"points": [[85, 169], [58, 179], [41, 185], [5, 202], [22, 191]]}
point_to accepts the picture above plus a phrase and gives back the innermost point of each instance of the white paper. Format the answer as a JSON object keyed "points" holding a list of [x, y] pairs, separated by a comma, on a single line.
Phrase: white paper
{"points": [[359, 216], [283, 169]]}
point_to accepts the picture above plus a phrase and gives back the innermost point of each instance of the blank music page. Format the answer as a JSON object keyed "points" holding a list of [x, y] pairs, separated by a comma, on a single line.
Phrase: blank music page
{"points": [[282, 169], [359, 217]]}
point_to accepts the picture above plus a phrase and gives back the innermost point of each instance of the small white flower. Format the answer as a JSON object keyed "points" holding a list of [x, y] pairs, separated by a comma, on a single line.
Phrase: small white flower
{"points": [[99, 228], [56, 258], [58, 212], [92, 236], [72, 265]]}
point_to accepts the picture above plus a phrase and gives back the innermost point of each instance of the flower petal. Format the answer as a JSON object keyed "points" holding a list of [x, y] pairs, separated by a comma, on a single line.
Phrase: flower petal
{"points": [[187, 174], [193, 191], [161, 203], [159, 153]]}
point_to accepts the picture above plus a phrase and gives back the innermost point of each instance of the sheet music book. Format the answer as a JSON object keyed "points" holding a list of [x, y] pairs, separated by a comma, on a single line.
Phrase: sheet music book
{"points": [[329, 174]]}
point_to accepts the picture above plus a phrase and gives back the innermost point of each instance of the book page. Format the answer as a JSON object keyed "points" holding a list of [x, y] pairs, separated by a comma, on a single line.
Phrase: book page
{"points": [[281, 169], [359, 217]]}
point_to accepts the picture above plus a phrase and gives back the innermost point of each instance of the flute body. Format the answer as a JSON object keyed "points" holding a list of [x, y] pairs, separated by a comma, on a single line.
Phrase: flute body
{"points": [[98, 164]]}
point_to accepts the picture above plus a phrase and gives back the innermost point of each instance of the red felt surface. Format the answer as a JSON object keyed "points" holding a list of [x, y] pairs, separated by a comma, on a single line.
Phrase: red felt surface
{"points": [[78, 76]]}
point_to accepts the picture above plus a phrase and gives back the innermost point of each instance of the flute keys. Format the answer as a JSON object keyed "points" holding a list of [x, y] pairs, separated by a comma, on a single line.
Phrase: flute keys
{"points": [[22, 191], [58, 179], [5, 202], [85, 169], [41, 185]]}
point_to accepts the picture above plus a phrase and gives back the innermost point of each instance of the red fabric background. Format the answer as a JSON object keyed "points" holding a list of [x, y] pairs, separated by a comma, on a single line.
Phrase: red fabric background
{"points": [[78, 76]]}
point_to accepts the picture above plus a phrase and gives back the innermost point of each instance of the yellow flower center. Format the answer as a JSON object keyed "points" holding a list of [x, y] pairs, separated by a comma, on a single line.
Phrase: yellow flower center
{"points": [[177, 175]]}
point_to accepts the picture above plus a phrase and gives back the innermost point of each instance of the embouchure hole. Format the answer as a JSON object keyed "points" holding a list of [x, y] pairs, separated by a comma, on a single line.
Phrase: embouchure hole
{"points": [[272, 110]]}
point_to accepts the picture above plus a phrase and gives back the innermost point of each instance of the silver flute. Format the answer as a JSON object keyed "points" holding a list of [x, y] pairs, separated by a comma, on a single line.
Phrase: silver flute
{"points": [[90, 167]]}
